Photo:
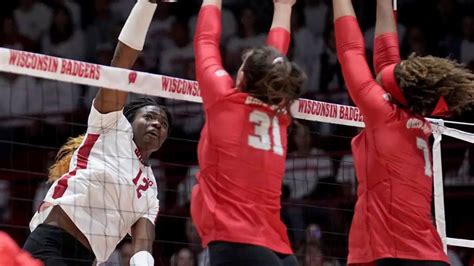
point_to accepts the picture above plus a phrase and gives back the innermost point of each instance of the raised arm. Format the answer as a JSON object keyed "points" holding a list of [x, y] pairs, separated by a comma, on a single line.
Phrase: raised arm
{"points": [[386, 48], [143, 235], [365, 92], [213, 80], [130, 44], [279, 36]]}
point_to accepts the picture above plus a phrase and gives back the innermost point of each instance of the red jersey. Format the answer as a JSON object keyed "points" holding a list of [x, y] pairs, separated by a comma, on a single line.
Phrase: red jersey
{"points": [[241, 151], [12, 255], [392, 217]]}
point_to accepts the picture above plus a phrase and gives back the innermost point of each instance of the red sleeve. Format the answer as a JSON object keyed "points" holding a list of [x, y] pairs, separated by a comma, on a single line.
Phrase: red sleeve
{"points": [[11, 254], [213, 80], [386, 51], [365, 92], [279, 38]]}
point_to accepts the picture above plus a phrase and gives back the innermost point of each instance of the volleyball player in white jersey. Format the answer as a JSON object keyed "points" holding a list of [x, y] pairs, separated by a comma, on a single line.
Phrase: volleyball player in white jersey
{"points": [[110, 190]]}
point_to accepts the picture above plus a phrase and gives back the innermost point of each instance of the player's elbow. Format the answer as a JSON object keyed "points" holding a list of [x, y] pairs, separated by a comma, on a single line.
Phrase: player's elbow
{"points": [[203, 49], [351, 47], [205, 39], [363, 89]]}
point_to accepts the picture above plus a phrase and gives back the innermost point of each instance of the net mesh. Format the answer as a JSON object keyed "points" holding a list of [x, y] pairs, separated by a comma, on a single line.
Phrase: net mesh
{"points": [[38, 115]]}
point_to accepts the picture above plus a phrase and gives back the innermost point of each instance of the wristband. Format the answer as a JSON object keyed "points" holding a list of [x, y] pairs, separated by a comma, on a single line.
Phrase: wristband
{"points": [[136, 27], [142, 258]]}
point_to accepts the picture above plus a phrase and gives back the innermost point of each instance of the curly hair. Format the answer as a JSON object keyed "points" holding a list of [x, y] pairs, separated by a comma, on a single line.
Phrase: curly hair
{"points": [[424, 79], [63, 158], [272, 78]]}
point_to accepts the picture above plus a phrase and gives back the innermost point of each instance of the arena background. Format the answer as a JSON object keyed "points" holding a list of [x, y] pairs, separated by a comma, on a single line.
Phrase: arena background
{"points": [[318, 196]]}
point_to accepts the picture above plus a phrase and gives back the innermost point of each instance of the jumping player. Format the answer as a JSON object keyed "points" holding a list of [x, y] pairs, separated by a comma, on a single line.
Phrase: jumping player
{"points": [[392, 222], [236, 203], [110, 189]]}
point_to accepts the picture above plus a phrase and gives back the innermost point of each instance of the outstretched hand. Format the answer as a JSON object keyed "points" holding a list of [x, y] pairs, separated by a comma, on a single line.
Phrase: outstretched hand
{"points": [[285, 2]]}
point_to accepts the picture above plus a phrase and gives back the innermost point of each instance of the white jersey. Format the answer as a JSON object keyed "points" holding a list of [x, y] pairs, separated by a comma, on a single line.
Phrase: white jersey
{"points": [[108, 188]]}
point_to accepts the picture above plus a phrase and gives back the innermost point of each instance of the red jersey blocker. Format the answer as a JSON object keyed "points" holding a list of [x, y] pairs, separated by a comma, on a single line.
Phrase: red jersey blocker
{"points": [[12, 255], [392, 217], [241, 152]]}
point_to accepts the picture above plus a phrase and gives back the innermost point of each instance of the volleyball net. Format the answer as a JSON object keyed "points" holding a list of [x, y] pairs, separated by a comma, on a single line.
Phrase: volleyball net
{"points": [[44, 93]]}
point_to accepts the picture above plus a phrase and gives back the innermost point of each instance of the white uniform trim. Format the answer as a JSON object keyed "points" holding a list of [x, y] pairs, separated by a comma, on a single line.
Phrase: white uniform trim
{"points": [[108, 188]]}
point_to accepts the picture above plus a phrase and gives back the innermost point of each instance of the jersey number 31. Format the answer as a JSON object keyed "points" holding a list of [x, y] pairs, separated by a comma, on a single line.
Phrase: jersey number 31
{"points": [[262, 139]]}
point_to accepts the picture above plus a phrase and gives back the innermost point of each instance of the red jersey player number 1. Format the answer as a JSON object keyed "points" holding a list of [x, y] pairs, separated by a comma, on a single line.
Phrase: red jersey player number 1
{"points": [[392, 222]]}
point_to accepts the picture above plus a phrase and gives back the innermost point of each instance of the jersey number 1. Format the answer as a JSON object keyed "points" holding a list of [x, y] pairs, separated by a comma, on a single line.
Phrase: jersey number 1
{"points": [[261, 139], [423, 145]]}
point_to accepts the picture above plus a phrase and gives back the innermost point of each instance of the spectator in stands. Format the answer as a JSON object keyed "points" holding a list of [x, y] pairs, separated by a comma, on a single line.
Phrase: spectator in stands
{"points": [[194, 241], [178, 60], [414, 42], [346, 174], [467, 42], [10, 37], [184, 257], [316, 13], [66, 40], [307, 49], [448, 24], [103, 29], [228, 19], [18, 96], [33, 19], [331, 81], [305, 165], [248, 36], [63, 39], [175, 59], [121, 8], [159, 37], [74, 8], [311, 252]]}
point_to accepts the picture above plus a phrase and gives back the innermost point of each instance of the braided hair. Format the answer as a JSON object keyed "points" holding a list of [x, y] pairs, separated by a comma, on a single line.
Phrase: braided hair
{"points": [[130, 110]]}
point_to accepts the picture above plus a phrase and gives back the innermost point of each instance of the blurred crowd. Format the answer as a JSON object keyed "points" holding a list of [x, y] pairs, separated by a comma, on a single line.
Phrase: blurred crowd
{"points": [[38, 115]]}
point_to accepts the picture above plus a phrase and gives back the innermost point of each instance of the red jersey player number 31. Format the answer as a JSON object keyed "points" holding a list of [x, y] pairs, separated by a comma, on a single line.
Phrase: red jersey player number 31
{"points": [[262, 140]]}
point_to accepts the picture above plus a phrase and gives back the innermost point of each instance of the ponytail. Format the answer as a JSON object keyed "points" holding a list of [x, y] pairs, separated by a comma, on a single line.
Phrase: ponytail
{"points": [[63, 158], [272, 78]]}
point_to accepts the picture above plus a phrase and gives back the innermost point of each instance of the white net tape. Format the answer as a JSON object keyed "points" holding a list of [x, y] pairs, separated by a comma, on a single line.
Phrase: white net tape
{"points": [[59, 69]]}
